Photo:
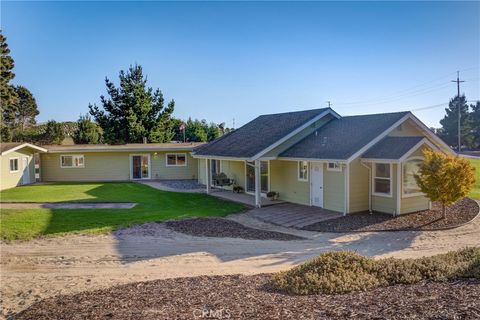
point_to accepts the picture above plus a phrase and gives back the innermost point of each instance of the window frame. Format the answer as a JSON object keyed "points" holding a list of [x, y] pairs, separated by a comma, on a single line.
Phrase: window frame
{"points": [[72, 166], [305, 179], [408, 195], [176, 159], [337, 167], [390, 179], [10, 164]]}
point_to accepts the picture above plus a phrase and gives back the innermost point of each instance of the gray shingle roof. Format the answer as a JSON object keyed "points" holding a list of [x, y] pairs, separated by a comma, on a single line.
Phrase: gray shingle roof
{"points": [[257, 135], [391, 148], [341, 138]]}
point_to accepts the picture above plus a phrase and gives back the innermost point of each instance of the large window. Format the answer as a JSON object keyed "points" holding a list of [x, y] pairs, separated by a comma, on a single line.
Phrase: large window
{"points": [[176, 159], [382, 181], [302, 170], [13, 164], [410, 169], [72, 161]]}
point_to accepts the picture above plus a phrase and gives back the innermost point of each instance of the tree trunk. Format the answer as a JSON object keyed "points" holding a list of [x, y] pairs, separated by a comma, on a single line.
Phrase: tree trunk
{"points": [[444, 211]]}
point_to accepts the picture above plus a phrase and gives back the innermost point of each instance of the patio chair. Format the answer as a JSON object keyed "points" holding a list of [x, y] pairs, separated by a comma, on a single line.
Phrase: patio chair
{"points": [[221, 180]]}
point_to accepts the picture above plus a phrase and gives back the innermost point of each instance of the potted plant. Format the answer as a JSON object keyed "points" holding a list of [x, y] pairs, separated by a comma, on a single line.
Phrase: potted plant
{"points": [[272, 195]]}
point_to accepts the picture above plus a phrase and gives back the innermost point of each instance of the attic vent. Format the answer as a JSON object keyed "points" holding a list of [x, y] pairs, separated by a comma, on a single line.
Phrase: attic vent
{"points": [[324, 141]]}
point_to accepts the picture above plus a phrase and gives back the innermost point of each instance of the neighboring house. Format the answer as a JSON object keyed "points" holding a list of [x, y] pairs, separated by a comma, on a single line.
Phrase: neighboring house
{"points": [[17, 164], [319, 158], [97, 162]]}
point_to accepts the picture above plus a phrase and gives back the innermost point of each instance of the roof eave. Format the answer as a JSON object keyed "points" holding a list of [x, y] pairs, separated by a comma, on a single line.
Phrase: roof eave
{"points": [[24, 145]]}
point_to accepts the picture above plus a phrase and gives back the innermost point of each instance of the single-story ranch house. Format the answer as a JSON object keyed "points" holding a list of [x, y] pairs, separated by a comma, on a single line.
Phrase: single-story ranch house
{"points": [[313, 157]]}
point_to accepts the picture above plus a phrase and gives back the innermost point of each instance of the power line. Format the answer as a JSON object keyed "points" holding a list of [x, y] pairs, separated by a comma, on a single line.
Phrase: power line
{"points": [[458, 81]]}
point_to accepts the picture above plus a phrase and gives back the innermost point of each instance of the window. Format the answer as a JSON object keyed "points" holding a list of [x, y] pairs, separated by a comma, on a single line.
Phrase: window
{"points": [[334, 166], [410, 169], [13, 164], [176, 160], [302, 171], [382, 184], [72, 161]]}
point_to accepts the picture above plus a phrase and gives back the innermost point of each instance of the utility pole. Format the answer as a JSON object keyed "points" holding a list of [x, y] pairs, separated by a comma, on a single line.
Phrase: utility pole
{"points": [[458, 106]]}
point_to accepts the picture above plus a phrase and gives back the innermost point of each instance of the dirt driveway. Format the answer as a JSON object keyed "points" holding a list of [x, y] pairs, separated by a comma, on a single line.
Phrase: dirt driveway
{"points": [[41, 268]]}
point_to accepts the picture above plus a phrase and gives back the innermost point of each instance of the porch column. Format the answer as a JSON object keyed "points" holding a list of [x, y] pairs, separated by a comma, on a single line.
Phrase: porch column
{"points": [[258, 187], [207, 175]]}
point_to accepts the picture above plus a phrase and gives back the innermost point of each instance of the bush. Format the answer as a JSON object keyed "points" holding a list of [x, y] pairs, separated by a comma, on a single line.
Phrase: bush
{"points": [[347, 271], [238, 189]]}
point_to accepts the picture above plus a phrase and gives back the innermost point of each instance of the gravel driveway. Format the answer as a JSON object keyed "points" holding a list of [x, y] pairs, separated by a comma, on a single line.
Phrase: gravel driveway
{"points": [[41, 268]]}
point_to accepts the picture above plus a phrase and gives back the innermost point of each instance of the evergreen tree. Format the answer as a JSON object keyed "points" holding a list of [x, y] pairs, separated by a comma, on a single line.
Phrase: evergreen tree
{"points": [[134, 111], [54, 133], [475, 118], [87, 132], [25, 109], [449, 131], [7, 93]]}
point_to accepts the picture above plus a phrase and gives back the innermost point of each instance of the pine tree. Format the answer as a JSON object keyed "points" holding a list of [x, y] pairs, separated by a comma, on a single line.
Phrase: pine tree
{"points": [[475, 116], [54, 133], [449, 132], [7, 93], [26, 109], [87, 132], [134, 111]]}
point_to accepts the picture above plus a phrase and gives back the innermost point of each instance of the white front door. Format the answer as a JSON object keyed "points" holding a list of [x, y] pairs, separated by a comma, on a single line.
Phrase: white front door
{"points": [[26, 171], [316, 187]]}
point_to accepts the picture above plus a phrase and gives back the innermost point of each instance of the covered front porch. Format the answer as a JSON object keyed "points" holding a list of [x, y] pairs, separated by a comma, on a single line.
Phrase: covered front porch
{"points": [[245, 198]]}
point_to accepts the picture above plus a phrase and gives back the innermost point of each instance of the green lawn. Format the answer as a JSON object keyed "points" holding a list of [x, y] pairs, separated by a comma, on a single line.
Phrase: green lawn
{"points": [[153, 205], [475, 193]]}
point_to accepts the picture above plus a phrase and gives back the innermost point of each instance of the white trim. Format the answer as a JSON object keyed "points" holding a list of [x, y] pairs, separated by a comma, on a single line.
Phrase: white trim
{"points": [[298, 172], [311, 159], [346, 208], [72, 166], [219, 158], [10, 165], [409, 195], [296, 131], [176, 159], [432, 135], [24, 145], [149, 165], [399, 189], [380, 160], [263, 194], [337, 169], [107, 148], [374, 176], [416, 147]]}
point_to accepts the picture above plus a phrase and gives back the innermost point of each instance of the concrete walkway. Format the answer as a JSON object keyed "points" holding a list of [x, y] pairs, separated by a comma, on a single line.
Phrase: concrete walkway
{"points": [[68, 205], [293, 215]]}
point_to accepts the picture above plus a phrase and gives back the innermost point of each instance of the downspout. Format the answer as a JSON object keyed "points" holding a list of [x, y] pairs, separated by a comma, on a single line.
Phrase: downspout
{"points": [[369, 186]]}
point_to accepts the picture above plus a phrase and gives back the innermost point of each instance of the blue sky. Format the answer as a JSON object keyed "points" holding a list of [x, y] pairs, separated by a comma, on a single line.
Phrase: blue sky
{"points": [[225, 60]]}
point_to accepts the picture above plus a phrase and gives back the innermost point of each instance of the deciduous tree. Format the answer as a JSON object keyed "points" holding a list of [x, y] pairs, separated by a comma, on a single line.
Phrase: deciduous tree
{"points": [[445, 178]]}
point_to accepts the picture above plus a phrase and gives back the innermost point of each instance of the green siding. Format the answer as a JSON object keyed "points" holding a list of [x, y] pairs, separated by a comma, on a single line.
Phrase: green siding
{"points": [[359, 186], [112, 166], [333, 189], [13, 179], [413, 204], [387, 204], [234, 170], [283, 179]]}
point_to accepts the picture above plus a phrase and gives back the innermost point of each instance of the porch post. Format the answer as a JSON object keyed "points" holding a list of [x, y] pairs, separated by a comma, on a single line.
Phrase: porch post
{"points": [[207, 173], [258, 187]]}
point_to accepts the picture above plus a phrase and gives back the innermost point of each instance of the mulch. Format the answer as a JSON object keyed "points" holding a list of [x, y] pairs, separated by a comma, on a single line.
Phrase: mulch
{"points": [[224, 228], [249, 297], [458, 214]]}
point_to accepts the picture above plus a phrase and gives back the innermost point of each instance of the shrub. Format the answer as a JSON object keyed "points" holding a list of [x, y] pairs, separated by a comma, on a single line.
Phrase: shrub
{"points": [[238, 189], [346, 271]]}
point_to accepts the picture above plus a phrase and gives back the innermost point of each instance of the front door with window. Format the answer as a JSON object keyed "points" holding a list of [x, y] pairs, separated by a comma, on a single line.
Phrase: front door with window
{"points": [[140, 167], [316, 176], [250, 176]]}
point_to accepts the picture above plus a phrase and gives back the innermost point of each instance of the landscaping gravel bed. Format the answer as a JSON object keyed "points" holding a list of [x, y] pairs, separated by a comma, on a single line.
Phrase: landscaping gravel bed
{"points": [[461, 212], [182, 184], [224, 228], [249, 297]]}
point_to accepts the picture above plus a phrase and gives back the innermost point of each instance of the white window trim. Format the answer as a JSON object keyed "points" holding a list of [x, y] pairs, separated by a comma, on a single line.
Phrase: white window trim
{"points": [[338, 169], [72, 155], [374, 176], [263, 194], [409, 195], [149, 166], [175, 165], [18, 164], [298, 171]]}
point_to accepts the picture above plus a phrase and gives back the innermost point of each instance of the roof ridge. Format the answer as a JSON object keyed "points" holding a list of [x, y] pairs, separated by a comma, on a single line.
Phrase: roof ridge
{"points": [[376, 114], [292, 112]]}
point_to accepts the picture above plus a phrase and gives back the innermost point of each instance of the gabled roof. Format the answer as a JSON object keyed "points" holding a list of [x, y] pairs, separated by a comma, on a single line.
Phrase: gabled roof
{"points": [[7, 147], [129, 147], [341, 138], [392, 148], [259, 134]]}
